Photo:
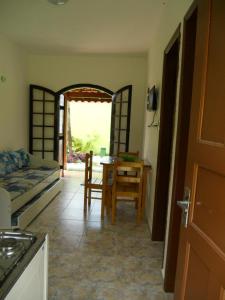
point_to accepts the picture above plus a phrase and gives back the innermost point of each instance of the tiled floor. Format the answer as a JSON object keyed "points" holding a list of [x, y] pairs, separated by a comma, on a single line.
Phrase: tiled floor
{"points": [[90, 259]]}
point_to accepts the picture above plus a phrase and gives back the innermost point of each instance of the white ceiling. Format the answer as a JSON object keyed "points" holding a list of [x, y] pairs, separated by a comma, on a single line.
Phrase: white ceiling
{"points": [[81, 26]]}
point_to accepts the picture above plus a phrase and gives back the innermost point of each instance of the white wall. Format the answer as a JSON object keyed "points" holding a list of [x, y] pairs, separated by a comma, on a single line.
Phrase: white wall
{"points": [[13, 96], [110, 71], [172, 15]]}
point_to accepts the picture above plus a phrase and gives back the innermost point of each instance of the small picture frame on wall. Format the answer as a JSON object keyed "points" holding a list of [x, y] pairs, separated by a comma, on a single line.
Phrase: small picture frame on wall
{"points": [[151, 99]]}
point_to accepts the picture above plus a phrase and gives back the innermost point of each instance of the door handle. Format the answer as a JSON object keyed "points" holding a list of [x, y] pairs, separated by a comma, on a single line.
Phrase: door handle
{"points": [[184, 205]]}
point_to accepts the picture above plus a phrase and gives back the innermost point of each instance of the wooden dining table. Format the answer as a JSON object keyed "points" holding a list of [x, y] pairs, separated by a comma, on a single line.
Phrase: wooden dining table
{"points": [[107, 162]]}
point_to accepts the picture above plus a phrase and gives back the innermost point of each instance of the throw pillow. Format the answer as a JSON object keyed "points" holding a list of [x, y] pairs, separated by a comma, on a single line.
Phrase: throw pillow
{"points": [[16, 157], [7, 165], [24, 157]]}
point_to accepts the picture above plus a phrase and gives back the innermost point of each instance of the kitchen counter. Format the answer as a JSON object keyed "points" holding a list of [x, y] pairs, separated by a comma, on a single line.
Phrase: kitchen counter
{"points": [[21, 265]]}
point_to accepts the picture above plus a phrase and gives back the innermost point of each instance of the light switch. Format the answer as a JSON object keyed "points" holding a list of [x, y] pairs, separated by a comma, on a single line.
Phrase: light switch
{"points": [[3, 78]]}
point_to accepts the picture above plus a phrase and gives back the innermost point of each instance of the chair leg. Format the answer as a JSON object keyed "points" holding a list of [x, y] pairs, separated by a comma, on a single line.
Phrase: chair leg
{"points": [[139, 211], [113, 210], [108, 202], [136, 204], [102, 207], [85, 198], [89, 196]]}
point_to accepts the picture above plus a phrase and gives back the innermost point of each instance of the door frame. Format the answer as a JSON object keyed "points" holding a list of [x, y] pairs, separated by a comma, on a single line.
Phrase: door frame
{"points": [[184, 111], [167, 109], [80, 85]]}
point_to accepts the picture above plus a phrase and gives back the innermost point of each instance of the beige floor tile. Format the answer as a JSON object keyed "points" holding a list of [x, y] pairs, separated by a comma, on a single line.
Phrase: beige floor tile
{"points": [[90, 259]]}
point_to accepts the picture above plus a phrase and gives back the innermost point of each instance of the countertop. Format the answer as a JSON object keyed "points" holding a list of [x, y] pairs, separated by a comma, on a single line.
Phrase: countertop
{"points": [[21, 265]]}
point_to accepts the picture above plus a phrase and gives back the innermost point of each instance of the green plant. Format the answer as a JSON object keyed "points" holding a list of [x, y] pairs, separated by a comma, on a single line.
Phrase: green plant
{"points": [[77, 144], [90, 142]]}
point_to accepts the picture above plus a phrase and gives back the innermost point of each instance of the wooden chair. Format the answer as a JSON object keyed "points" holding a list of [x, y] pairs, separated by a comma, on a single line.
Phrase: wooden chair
{"points": [[94, 185], [126, 187], [90, 184]]}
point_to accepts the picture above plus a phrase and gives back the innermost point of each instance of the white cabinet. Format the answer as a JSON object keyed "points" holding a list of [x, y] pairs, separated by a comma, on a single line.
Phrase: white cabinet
{"points": [[33, 282]]}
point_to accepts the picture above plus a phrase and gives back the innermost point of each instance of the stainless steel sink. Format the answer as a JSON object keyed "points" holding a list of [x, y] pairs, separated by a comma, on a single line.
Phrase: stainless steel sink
{"points": [[13, 246]]}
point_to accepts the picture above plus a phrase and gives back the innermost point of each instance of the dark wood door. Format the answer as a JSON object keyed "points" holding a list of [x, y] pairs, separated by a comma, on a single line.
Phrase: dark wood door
{"points": [[43, 123], [120, 120], [201, 261]]}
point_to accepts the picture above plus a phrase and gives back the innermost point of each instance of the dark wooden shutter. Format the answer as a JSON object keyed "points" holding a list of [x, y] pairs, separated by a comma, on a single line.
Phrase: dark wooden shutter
{"points": [[61, 112], [120, 120], [43, 123]]}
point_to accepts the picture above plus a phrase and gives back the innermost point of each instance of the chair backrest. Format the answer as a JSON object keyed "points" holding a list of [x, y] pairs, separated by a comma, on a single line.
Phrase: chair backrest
{"points": [[125, 179], [88, 166]]}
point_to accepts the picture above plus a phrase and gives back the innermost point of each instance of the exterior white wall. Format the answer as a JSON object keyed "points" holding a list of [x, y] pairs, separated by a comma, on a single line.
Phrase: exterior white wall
{"points": [[172, 15], [13, 96], [109, 71]]}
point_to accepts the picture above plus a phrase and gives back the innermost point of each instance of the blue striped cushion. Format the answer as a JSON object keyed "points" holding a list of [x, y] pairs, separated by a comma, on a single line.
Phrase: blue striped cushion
{"points": [[24, 157], [16, 157], [7, 165]]}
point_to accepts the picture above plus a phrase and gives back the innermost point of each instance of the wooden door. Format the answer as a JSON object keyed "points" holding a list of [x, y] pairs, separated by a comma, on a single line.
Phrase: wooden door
{"points": [[43, 123], [120, 120], [186, 80], [201, 261]]}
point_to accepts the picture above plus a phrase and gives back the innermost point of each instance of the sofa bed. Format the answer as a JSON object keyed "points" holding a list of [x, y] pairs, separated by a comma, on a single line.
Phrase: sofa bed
{"points": [[27, 185]]}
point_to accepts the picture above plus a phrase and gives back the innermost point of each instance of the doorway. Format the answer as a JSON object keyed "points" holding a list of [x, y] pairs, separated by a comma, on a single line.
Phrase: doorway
{"points": [[168, 103], [48, 115], [87, 125]]}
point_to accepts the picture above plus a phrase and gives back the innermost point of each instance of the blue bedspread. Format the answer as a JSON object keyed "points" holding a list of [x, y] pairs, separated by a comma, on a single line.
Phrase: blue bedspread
{"points": [[22, 180]]}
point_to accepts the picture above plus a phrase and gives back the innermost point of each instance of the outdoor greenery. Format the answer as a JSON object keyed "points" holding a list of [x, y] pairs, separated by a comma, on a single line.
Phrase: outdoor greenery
{"points": [[86, 144], [80, 146]]}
